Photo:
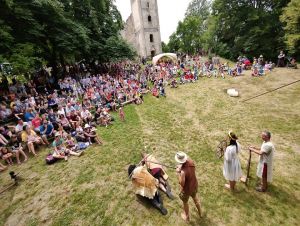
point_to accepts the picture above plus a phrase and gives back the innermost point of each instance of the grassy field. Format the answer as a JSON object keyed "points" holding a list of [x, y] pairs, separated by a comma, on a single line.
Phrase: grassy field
{"points": [[94, 190]]}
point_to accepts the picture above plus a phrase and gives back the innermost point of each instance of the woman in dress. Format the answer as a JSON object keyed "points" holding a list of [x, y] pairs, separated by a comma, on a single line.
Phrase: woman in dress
{"points": [[232, 168]]}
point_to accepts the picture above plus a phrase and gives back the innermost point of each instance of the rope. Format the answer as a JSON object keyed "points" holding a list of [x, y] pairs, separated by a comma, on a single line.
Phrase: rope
{"points": [[270, 91]]}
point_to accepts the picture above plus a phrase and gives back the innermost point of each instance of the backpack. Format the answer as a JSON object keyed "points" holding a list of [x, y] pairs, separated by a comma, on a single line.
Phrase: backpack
{"points": [[50, 159]]}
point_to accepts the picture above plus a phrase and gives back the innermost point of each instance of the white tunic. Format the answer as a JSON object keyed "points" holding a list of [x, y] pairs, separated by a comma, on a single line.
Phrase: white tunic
{"points": [[232, 167], [268, 150]]}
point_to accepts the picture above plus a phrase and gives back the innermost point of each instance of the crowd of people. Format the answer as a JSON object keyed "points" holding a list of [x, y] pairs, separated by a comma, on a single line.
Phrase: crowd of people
{"points": [[65, 118], [83, 98]]}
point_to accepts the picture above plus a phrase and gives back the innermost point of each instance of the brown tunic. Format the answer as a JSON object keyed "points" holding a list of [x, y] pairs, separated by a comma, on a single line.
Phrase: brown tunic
{"points": [[191, 183]]}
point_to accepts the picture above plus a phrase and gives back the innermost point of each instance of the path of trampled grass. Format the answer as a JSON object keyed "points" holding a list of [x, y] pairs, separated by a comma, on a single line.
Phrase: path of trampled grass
{"points": [[94, 189]]}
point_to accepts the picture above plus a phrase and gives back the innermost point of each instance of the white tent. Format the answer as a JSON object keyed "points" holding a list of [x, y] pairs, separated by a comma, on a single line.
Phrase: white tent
{"points": [[171, 56]]}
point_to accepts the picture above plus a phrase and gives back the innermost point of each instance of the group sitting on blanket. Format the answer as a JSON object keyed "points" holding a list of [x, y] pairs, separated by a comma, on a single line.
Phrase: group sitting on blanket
{"points": [[31, 118]]}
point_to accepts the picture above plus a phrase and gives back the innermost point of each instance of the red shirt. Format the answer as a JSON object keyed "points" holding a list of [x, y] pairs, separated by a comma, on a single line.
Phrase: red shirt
{"points": [[36, 122]]}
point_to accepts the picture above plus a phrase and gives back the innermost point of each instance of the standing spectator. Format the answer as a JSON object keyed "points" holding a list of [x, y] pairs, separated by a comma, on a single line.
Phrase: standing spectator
{"points": [[122, 113], [232, 168], [188, 183], [281, 59], [265, 164]]}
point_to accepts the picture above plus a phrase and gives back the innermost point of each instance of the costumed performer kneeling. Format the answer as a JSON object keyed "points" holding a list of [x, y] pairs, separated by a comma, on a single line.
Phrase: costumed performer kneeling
{"points": [[145, 185]]}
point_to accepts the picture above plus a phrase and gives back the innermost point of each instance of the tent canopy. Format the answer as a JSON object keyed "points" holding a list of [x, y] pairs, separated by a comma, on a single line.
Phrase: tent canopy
{"points": [[171, 56]]}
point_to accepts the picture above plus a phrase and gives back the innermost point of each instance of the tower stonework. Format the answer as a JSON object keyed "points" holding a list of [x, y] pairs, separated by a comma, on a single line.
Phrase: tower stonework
{"points": [[142, 28]]}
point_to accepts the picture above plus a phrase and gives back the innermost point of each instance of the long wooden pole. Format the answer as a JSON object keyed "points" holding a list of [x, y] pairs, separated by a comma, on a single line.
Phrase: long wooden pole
{"points": [[243, 101]]}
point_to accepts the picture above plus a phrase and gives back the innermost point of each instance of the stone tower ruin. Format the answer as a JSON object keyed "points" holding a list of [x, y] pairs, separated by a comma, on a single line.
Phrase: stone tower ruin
{"points": [[142, 28]]}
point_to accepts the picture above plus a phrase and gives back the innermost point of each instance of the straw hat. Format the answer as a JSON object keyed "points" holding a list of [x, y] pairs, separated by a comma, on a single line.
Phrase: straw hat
{"points": [[181, 157], [87, 126], [57, 134], [232, 135]]}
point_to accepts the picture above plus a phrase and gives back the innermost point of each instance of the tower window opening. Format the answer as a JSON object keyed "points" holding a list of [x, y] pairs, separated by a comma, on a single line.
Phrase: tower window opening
{"points": [[148, 5], [151, 37], [149, 18]]}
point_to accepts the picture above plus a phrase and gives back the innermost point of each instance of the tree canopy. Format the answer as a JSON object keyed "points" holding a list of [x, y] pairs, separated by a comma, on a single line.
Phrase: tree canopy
{"points": [[239, 27], [291, 19], [60, 31]]}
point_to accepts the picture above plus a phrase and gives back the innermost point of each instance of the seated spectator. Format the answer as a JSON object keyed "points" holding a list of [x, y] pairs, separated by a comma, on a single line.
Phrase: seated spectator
{"points": [[16, 111], [69, 108], [71, 143], [17, 149], [292, 63], [91, 135], [30, 138], [60, 151], [46, 131], [36, 123], [80, 137], [86, 115], [20, 126], [29, 115], [53, 119], [5, 113], [51, 102], [3, 140], [4, 130], [64, 122], [73, 119], [62, 132], [6, 155], [61, 111]]}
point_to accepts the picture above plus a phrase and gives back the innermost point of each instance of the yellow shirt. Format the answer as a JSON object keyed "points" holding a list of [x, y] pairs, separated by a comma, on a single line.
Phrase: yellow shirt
{"points": [[24, 135]]}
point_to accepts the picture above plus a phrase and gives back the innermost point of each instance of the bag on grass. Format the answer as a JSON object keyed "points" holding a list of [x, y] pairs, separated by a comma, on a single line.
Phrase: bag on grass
{"points": [[50, 159], [83, 145]]}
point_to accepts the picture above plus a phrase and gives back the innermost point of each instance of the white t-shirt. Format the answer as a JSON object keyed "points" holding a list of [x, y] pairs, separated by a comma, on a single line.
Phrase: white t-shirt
{"points": [[268, 150], [19, 127]]}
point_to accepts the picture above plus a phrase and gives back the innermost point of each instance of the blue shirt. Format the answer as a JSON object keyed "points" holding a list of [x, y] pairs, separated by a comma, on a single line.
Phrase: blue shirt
{"points": [[49, 128], [28, 116]]}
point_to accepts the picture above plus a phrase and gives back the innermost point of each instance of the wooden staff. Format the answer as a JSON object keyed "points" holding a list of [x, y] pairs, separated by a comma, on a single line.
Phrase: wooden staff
{"points": [[172, 167], [246, 180]]}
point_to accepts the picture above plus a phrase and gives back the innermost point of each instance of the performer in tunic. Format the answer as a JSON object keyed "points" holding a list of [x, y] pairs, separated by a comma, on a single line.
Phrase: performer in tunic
{"points": [[145, 185], [188, 183], [232, 168], [265, 164]]}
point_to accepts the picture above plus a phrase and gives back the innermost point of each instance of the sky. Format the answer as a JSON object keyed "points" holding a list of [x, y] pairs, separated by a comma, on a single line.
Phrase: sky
{"points": [[170, 13]]}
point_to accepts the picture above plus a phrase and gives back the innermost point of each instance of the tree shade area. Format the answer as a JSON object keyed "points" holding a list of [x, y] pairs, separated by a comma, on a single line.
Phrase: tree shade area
{"points": [[52, 32], [238, 27]]}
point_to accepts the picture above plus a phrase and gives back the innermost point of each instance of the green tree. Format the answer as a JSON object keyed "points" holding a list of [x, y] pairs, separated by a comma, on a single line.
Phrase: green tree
{"points": [[291, 19], [254, 29], [165, 47], [60, 32], [198, 8]]}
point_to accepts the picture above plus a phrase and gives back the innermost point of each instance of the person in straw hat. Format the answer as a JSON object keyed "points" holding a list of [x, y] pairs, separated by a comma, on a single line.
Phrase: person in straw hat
{"points": [[232, 168], [188, 183]]}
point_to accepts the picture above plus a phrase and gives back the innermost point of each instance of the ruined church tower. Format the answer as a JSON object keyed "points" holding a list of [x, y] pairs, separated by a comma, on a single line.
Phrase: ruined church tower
{"points": [[142, 28]]}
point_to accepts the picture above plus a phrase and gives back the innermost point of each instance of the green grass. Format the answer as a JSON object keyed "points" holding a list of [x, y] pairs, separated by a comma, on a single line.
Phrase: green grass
{"points": [[94, 190]]}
